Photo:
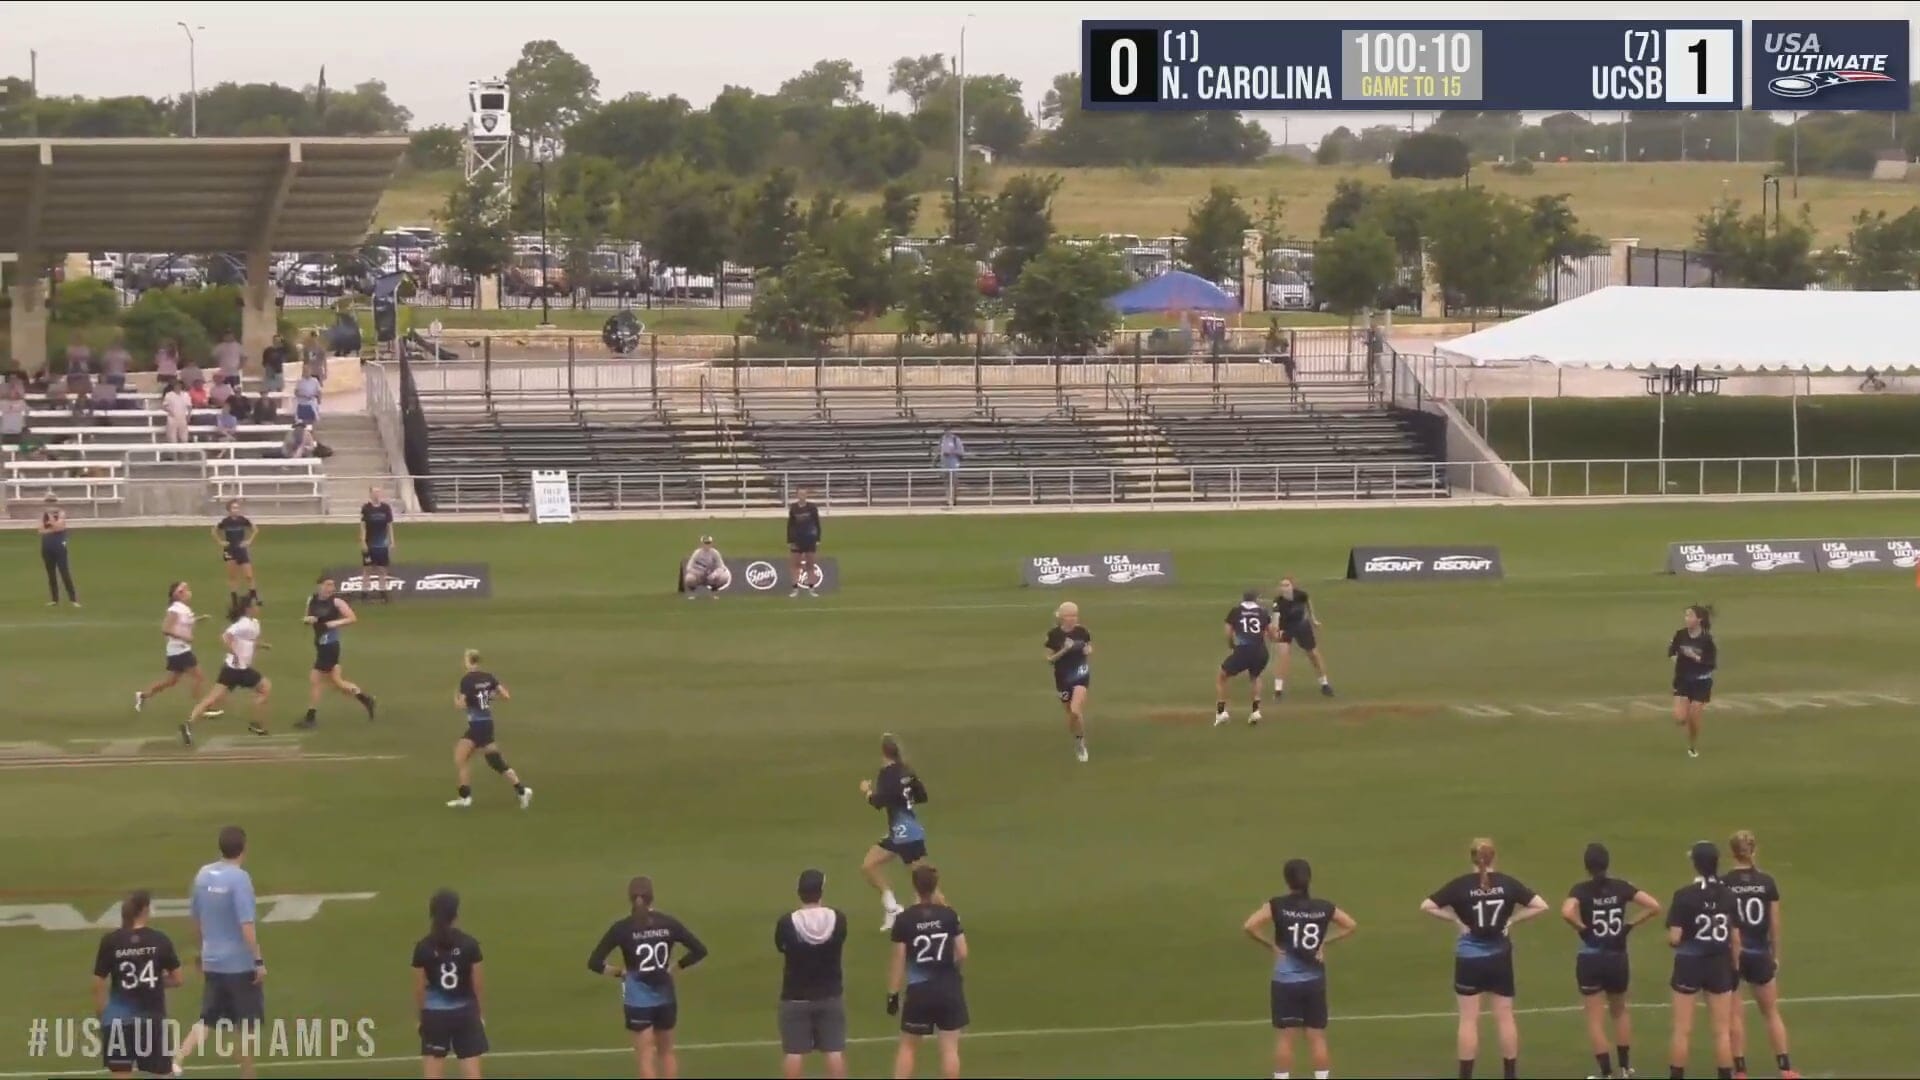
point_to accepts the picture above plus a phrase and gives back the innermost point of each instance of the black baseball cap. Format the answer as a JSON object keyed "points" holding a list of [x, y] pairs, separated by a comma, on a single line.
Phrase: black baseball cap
{"points": [[812, 881]]}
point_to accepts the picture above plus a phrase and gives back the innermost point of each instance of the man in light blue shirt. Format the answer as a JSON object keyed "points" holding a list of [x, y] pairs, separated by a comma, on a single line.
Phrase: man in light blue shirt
{"points": [[229, 949]]}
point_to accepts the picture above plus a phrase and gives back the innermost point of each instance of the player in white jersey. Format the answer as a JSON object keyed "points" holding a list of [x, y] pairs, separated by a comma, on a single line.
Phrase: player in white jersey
{"points": [[177, 628], [242, 638]]}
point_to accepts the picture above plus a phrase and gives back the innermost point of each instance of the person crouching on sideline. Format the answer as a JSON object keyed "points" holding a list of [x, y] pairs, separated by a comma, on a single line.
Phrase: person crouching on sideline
{"points": [[705, 568]]}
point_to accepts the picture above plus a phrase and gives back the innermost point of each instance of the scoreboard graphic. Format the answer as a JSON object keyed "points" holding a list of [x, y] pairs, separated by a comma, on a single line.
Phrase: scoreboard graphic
{"points": [[1356, 65]]}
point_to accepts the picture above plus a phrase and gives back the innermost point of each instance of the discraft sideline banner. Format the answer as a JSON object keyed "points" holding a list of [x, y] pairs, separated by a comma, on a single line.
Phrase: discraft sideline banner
{"points": [[1423, 563], [450, 580]]}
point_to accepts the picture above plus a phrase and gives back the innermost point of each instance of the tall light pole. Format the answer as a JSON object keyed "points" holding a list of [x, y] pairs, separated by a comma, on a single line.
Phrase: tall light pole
{"points": [[193, 81], [543, 153], [960, 136]]}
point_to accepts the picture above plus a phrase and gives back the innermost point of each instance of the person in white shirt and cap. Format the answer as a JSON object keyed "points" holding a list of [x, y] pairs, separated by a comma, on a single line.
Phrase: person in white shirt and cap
{"points": [[705, 568]]}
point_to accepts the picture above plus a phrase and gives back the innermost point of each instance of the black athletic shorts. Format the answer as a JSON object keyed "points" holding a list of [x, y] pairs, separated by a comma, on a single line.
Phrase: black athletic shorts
{"points": [[181, 663], [326, 657], [1700, 690], [237, 554], [1757, 967], [236, 998], [479, 733], [1064, 685], [377, 556], [1245, 661], [1601, 973], [238, 678], [657, 1017], [137, 1043], [1299, 1004], [1712, 974], [1474, 975], [910, 851], [1301, 635], [452, 1032], [804, 547], [934, 1006]]}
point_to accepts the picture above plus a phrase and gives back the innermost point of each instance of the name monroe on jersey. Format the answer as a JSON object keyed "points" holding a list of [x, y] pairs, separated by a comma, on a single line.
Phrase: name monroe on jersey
{"points": [[1247, 82]]}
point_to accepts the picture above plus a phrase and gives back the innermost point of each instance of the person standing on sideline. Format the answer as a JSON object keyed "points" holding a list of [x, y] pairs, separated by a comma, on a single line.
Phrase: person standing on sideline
{"points": [[376, 543], [953, 451], [230, 957], [53, 553], [803, 540], [813, 1009], [929, 949]]}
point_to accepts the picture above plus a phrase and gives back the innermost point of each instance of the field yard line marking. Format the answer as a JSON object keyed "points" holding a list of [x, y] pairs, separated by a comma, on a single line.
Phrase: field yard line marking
{"points": [[1013, 1033], [32, 764]]}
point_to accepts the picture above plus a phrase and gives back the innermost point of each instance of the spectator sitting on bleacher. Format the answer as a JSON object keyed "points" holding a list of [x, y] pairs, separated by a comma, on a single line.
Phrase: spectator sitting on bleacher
{"points": [[178, 407], [265, 411], [78, 380], [56, 392], [38, 384], [197, 394], [300, 442], [102, 399], [191, 376], [229, 356], [274, 363], [115, 361], [306, 399], [1280, 349], [220, 393], [13, 418], [227, 425], [240, 405], [166, 360]]}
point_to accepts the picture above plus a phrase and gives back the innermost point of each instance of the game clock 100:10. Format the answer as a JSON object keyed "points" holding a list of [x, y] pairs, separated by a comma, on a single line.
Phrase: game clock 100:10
{"points": [[1382, 52]]}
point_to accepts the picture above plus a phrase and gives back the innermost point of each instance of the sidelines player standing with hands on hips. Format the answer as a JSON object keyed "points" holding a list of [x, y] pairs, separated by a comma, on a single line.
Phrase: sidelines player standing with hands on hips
{"points": [[803, 541]]}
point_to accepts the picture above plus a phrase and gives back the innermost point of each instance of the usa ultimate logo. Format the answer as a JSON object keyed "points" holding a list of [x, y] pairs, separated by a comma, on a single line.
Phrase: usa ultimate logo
{"points": [[1807, 66]]}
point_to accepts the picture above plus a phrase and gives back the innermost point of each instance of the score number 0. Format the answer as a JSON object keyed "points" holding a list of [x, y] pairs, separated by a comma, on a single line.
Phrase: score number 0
{"points": [[1122, 65]]}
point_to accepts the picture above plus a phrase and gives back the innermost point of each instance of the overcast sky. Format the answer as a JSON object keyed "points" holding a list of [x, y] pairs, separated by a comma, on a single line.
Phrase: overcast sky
{"points": [[426, 53]]}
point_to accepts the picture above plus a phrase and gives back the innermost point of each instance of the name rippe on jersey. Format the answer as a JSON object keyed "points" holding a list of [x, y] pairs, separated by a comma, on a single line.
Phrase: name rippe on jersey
{"points": [[278, 908]]}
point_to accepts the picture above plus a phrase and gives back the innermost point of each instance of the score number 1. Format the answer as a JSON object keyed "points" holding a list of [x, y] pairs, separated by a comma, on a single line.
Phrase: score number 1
{"points": [[1699, 67]]}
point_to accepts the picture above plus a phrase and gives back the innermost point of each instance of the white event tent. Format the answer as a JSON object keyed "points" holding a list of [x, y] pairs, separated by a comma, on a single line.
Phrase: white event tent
{"points": [[1716, 330]]}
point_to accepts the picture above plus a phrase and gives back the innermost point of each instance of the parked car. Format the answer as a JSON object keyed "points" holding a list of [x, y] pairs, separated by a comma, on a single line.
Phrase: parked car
{"points": [[536, 274], [173, 271], [610, 275], [1287, 290], [679, 282]]}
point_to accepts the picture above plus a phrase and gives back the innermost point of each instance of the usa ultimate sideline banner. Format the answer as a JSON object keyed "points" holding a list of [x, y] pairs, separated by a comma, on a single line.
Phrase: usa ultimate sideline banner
{"points": [[1107, 568], [1792, 556]]}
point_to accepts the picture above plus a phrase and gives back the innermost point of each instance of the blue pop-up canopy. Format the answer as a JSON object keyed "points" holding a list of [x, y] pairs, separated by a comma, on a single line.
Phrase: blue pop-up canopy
{"points": [[1175, 290]]}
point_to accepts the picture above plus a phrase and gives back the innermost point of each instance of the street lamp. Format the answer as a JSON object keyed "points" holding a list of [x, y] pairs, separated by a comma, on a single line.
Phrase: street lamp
{"points": [[193, 82], [1770, 181], [542, 153]]}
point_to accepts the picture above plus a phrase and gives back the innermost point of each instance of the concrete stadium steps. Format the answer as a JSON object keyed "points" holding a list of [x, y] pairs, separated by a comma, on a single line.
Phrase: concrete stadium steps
{"points": [[359, 460]]}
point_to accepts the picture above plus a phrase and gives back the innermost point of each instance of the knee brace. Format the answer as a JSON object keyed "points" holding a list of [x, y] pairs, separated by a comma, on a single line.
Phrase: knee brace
{"points": [[496, 762]]}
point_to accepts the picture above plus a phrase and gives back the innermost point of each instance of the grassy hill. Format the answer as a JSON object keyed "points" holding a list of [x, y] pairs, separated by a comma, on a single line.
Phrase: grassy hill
{"points": [[1655, 202]]}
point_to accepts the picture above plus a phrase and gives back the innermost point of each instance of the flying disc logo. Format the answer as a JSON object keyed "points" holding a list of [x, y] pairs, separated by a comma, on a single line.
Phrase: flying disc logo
{"points": [[1123, 570], [1054, 572], [1111, 568], [1745, 557], [1831, 65], [1764, 558], [1838, 555], [1893, 554]]}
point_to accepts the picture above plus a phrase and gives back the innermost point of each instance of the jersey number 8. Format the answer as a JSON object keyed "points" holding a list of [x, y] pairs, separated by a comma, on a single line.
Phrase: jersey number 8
{"points": [[449, 976]]}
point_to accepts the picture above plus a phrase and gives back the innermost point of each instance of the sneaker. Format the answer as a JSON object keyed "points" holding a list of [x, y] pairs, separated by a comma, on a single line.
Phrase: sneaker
{"points": [[526, 798], [690, 596], [886, 920], [53, 603], [306, 723], [1080, 752], [1326, 689], [1279, 687], [139, 700], [1220, 718], [211, 713], [369, 704], [1253, 718], [254, 727], [186, 733], [460, 804], [813, 594], [794, 593], [1692, 753]]}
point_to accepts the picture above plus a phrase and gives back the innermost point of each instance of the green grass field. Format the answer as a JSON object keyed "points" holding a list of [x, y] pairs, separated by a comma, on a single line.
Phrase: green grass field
{"points": [[1656, 202], [718, 747], [1569, 431]]}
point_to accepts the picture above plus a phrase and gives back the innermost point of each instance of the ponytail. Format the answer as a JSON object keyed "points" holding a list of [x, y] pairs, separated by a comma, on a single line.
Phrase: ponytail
{"points": [[890, 749], [1598, 860], [1482, 853], [1742, 844], [640, 895], [1703, 612], [1299, 876], [443, 909], [133, 907]]}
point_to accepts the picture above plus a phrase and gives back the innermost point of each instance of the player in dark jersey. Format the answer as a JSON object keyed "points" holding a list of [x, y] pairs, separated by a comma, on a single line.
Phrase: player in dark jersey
{"points": [[803, 544], [1303, 926], [897, 790], [478, 691], [53, 553], [1249, 627], [328, 615], [133, 969], [1695, 658], [1294, 617], [448, 989], [1756, 898], [235, 535], [1485, 906], [1599, 910], [1070, 651], [929, 948], [1704, 930], [376, 542], [645, 939]]}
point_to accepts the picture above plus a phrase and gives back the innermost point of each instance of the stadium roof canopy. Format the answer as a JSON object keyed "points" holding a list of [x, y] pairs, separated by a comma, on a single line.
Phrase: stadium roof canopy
{"points": [[1715, 329], [191, 195]]}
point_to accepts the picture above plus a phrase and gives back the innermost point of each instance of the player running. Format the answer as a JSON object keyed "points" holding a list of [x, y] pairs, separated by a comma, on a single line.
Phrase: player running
{"points": [[1294, 616], [376, 542], [177, 627], [1485, 906], [328, 615], [477, 693], [1695, 657], [1704, 931], [235, 534], [133, 969], [1303, 926], [447, 992], [929, 948], [898, 791], [645, 939], [1070, 651], [1598, 910], [1249, 626], [1756, 899], [242, 637]]}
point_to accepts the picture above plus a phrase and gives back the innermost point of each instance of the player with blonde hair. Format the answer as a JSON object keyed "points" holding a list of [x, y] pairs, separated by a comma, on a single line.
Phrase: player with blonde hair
{"points": [[1070, 651]]}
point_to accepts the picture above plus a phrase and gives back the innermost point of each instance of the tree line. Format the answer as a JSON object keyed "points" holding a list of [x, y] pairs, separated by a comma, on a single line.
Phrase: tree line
{"points": [[224, 110]]}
